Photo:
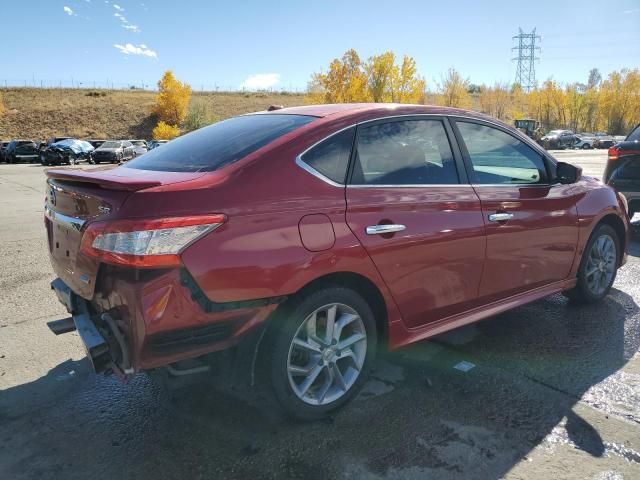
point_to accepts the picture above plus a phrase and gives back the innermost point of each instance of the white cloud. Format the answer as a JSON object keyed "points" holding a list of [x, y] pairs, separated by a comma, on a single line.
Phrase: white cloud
{"points": [[68, 11], [261, 81], [131, 28], [130, 49], [118, 7], [632, 11]]}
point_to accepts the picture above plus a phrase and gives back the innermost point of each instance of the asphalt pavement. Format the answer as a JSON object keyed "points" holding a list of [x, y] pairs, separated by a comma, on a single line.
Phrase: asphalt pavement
{"points": [[553, 391]]}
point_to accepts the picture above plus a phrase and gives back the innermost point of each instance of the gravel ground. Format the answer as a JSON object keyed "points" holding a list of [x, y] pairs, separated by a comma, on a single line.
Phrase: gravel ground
{"points": [[554, 392]]}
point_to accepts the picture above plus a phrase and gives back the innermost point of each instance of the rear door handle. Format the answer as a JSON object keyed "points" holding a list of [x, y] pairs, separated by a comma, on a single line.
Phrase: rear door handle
{"points": [[382, 229], [500, 217]]}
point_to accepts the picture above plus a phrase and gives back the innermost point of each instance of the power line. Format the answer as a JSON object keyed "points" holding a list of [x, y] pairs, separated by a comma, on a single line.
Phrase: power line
{"points": [[526, 69]]}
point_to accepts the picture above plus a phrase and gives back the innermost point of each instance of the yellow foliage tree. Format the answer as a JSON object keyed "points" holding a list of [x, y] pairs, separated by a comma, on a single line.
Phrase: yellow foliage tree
{"points": [[454, 90], [172, 101], [165, 131], [496, 101], [407, 86], [345, 82], [377, 80]]}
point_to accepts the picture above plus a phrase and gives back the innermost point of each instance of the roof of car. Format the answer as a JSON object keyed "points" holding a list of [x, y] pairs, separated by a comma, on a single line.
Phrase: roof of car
{"points": [[347, 109]]}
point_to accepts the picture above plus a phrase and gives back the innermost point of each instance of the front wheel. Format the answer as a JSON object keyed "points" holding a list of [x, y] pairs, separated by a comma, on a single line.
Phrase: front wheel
{"points": [[598, 267], [321, 348], [586, 146]]}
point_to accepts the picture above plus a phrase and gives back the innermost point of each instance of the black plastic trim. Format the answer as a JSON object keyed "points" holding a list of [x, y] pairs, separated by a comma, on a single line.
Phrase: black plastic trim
{"points": [[210, 306]]}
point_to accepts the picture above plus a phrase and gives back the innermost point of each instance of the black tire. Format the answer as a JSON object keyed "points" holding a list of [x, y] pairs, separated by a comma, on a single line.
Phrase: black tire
{"points": [[582, 293], [586, 146], [280, 336]]}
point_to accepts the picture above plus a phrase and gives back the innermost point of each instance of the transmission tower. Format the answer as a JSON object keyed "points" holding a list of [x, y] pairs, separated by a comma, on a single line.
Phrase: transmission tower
{"points": [[526, 68]]}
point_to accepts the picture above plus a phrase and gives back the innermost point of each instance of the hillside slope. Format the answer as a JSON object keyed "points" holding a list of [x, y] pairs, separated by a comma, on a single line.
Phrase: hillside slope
{"points": [[86, 113]]}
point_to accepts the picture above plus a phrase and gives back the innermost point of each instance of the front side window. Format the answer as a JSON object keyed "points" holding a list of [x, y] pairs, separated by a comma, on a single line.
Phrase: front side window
{"points": [[408, 152], [218, 145], [500, 158], [331, 156]]}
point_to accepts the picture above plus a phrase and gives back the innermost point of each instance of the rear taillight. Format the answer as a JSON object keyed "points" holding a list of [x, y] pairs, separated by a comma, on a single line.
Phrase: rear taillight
{"points": [[154, 243], [613, 153]]}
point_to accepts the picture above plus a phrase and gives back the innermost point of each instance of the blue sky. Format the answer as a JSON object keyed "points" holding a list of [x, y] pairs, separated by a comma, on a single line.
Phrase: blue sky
{"points": [[280, 43]]}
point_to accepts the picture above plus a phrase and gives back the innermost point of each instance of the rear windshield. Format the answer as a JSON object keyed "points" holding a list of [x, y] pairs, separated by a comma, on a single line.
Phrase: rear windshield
{"points": [[634, 136], [220, 144]]}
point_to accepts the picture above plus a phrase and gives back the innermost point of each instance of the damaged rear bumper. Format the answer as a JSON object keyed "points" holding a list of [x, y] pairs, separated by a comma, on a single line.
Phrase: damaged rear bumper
{"points": [[100, 343]]}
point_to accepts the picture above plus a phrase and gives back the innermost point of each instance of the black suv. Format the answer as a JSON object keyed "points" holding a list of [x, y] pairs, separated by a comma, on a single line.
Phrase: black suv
{"points": [[21, 150], [623, 169]]}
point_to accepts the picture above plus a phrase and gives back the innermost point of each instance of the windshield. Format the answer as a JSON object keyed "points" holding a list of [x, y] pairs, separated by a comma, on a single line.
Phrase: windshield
{"points": [[220, 144], [555, 132], [110, 145], [139, 143]]}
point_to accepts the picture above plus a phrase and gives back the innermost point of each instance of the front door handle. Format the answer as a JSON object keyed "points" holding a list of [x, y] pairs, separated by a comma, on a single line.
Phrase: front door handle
{"points": [[382, 229], [500, 217]]}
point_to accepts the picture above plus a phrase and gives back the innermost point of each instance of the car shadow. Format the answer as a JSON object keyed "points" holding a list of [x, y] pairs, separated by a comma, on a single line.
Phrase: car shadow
{"points": [[420, 412]]}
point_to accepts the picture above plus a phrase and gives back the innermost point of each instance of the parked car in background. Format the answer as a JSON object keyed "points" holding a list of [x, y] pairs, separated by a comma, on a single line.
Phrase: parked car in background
{"points": [[140, 147], [299, 239], [623, 169], [21, 151], [3, 146], [156, 143], [558, 139], [113, 151], [584, 141], [603, 140], [69, 151], [96, 143], [57, 139]]}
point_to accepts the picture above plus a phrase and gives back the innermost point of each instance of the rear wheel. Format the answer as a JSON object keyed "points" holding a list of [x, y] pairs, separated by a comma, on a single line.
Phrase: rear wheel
{"points": [[598, 267], [586, 146], [321, 350]]}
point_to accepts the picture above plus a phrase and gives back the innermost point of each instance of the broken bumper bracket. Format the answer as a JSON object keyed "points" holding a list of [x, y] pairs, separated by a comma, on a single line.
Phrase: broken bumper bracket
{"points": [[94, 343]]}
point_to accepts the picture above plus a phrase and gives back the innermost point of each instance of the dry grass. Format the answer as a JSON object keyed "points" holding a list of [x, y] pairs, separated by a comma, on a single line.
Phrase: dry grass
{"points": [[85, 113]]}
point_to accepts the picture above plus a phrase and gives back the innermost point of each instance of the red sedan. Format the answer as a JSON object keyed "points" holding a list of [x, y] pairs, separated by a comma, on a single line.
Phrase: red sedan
{"points": [[298, 240]]}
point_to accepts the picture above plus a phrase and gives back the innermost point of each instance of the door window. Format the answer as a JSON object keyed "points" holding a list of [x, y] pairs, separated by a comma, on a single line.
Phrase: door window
{"points": [[407, 152], [500, 158]]}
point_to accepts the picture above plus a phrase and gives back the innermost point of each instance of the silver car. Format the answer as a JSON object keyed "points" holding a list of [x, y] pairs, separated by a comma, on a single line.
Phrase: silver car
{"points": [[140, 147]]}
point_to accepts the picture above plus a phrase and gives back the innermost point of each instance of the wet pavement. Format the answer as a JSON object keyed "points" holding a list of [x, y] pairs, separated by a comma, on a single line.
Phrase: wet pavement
{"points": [[549, 390]]}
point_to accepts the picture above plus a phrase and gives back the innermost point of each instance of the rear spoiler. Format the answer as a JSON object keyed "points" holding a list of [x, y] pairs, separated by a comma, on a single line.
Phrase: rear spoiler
{"points": [[104, 178]]}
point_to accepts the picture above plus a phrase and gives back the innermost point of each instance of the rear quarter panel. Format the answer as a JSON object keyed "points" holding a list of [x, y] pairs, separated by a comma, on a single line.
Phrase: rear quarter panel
{"points": [[258, 252]]}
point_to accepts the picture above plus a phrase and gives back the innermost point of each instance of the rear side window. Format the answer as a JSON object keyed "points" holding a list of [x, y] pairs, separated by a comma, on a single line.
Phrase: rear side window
{"points": [[634, 136], [498, 157], [220, 144], [331, 156], [407, 152]]}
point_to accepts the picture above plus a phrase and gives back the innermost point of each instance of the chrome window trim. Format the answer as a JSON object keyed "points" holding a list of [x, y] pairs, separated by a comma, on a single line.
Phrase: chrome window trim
{"points": [[316, 173], [430, 185], [309, 169], [519, 185], [65, 220]]}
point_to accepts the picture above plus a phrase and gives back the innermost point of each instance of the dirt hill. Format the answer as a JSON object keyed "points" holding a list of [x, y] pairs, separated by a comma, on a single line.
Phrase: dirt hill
{"points": [[33, 113]]}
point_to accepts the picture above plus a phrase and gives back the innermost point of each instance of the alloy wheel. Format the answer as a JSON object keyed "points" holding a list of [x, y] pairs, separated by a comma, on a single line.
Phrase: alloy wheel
{"points": [[327, 354], [601, 264]]}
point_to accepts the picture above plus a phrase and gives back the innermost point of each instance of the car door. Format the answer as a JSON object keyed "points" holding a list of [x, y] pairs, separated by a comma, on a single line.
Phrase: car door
{"points": [[531, 223], [409, 204]]}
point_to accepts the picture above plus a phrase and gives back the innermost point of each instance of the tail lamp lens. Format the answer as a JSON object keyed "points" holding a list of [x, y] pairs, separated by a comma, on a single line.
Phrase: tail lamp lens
{"points": [[613, 153], [152, 243]]}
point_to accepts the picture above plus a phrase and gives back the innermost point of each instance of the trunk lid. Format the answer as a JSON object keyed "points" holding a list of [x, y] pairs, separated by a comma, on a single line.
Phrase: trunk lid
{"points": [[76, 197]]}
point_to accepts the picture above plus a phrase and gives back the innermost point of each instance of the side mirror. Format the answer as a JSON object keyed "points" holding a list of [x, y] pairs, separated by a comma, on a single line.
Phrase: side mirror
{"points": [[567, 173]]}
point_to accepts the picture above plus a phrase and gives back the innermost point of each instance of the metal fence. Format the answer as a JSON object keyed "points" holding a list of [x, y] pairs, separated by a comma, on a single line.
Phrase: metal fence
{"points": [[142, 84]]}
